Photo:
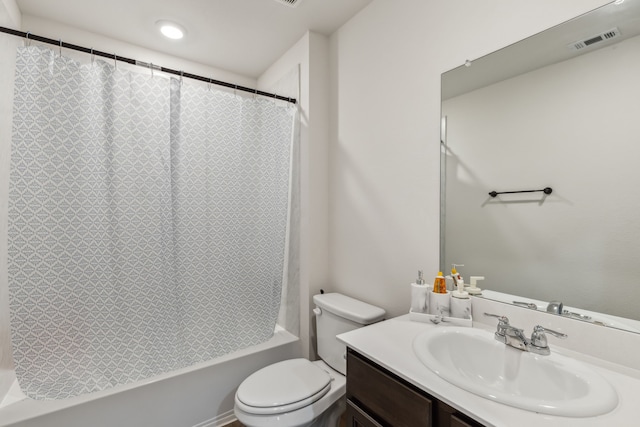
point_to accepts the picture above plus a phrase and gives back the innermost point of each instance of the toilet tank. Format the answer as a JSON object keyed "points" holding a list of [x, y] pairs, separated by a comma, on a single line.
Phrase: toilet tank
{"points": [[337, 314]]}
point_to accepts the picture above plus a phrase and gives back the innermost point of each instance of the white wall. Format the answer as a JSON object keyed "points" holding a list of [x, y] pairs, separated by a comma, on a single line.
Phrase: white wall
{"points": [[572, 126], [384, 138], [310, 56]]}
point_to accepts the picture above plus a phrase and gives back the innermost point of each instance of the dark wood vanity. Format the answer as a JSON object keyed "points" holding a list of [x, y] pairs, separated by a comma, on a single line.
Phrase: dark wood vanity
{"points": [[379, 398]]}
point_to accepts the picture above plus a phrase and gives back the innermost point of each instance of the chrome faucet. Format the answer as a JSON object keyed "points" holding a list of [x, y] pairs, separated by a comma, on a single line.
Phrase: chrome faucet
{"points": [[538, 343], [514, 337], [555, 307]]}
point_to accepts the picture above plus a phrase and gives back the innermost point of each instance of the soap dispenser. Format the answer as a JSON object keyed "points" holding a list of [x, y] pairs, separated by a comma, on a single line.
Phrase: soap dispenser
{"points": [[460, 302], [473, 289], [439, 299], [419, 295]]}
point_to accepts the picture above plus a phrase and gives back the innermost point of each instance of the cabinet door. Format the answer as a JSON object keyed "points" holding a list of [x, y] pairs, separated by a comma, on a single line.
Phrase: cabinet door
{"points": [[358, 418], [459, 422], [450, 417], [389, 399]]}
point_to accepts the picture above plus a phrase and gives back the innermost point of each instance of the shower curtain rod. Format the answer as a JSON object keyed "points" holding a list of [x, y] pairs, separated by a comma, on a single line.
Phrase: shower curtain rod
{"points": [[61, 44]]}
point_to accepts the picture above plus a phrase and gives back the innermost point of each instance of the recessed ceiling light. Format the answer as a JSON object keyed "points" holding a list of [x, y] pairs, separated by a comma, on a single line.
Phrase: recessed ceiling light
{"points": [[171, 29]]}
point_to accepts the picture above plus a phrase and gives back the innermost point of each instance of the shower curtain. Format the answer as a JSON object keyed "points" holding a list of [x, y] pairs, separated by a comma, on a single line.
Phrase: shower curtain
{"points": [[147, 223]]}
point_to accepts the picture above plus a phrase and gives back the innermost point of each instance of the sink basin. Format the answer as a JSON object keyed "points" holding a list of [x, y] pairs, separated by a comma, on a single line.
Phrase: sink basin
{"points": [[473, 360]]}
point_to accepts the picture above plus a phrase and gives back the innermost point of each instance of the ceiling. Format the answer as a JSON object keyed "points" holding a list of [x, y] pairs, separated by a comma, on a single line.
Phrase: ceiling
{"points": [[241, 36]]}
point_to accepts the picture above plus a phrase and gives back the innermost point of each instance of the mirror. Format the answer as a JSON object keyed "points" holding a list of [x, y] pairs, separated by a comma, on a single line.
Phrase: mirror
{"points": [[560, 109]]}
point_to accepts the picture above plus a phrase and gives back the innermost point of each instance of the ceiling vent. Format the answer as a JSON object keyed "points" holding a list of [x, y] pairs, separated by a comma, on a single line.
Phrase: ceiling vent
{"points": [[290, 3], [607, 35]]}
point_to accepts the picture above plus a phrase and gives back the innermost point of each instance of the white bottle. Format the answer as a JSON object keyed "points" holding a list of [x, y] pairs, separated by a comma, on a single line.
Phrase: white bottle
{"points": [[460, 302], [419, 295]]}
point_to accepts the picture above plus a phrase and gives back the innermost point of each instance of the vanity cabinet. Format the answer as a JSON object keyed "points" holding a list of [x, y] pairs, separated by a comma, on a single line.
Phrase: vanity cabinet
{"points": [[379, 398]]}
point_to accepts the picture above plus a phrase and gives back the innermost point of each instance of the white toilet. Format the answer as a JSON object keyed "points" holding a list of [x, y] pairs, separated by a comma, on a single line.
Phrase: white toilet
{"points": [[297, 392]]}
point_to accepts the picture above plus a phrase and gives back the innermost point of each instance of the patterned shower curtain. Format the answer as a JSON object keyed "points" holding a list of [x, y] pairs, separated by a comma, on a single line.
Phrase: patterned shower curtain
{"points": [[147, 223]]}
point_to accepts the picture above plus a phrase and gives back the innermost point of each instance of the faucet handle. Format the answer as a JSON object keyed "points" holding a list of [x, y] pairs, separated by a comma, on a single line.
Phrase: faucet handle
{"points": [[539, 338], [503, 324], [551, 331]]}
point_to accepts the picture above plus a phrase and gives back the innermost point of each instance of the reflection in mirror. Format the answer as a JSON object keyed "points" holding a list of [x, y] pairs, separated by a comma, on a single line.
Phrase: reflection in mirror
{"points": [[560, 109]]}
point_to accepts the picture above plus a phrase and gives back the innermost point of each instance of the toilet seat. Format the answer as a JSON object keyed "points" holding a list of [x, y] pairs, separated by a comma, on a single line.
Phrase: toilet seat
{"points": [[283, 387]]}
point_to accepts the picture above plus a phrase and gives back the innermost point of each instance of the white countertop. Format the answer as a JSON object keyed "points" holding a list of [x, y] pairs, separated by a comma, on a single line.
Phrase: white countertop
{"points": [[390, 344]]}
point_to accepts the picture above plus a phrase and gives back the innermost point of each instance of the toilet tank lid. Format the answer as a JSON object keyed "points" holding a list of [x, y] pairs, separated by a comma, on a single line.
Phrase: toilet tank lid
{"points": [[349, 308]]}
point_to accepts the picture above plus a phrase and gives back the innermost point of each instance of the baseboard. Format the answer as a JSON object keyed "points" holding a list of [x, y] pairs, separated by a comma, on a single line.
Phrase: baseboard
{"points": [[219, 421]]}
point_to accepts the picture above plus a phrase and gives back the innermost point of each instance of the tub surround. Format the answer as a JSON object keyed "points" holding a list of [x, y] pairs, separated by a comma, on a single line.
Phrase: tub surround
{"points": [[389, 344]]}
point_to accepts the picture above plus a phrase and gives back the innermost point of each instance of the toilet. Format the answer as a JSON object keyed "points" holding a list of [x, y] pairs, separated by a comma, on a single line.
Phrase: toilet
{"points": [[298, 392]]}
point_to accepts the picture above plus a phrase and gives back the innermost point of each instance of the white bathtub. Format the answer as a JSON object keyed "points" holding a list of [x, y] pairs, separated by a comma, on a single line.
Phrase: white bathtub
{"points": [[199, 396]]}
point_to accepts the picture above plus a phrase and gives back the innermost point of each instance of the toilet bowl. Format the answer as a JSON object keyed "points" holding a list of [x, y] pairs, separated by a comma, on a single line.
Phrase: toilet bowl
{"points": [[292, 393], [301, 393]]}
